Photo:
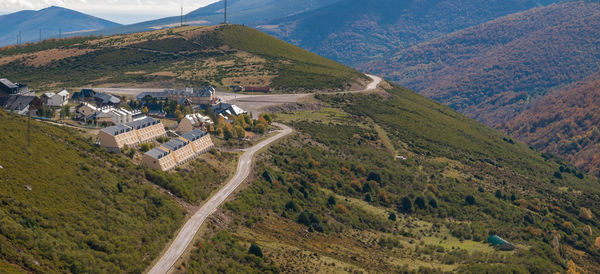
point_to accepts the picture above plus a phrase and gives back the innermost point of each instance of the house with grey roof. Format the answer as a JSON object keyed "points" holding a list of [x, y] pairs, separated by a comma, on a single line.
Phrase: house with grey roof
{"points": [[52, 99], [22, 104], [104, 99]]}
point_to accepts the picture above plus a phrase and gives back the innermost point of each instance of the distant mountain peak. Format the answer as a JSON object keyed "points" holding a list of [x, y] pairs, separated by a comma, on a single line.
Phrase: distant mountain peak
{"points": [[50, 20]]}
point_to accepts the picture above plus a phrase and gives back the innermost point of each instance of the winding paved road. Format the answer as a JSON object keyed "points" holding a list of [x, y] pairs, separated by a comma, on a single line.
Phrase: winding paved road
{"points": [[187, 233]]}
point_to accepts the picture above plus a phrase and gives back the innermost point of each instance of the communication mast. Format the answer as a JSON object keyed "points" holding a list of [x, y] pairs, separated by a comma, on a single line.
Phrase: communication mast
{"points": [[225, 19]]}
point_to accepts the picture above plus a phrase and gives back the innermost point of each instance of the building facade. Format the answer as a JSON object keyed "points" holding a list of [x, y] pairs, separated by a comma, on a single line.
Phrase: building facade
{"points": [[178, 151], [131, 134]]}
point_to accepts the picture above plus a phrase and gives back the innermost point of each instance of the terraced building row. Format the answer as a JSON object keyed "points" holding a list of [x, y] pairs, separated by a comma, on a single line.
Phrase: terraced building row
{"points": [[131, 134], [178, 151]]}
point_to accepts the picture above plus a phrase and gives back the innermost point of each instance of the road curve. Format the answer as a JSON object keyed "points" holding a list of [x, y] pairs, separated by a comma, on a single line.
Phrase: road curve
{"points": [[374, 84], [186, 235]]}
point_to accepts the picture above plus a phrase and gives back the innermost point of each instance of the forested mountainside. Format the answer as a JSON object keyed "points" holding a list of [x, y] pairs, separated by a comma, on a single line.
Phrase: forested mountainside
{"points": [[351, 31], [219, 55], [52, 22], [336, 197], [494, 71], [565, 123]]}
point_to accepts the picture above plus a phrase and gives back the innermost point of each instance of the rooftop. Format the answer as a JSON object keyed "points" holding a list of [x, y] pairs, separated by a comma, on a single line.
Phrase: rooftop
{"points": [[19, 102], [157, 153], [174, 144], [143, 123], [116, 130], [7, 83], [194, 135]]}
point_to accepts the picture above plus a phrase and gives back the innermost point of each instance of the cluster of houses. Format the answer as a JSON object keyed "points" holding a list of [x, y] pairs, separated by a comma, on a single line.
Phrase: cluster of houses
{"points": [[106, 115], [203, 96], [132, 127], [178, 151]]}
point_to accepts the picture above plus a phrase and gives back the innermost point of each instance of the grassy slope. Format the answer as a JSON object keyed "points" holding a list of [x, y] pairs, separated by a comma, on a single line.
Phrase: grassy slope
{"points": [[87, 211], [337, 153], [181, 56]]}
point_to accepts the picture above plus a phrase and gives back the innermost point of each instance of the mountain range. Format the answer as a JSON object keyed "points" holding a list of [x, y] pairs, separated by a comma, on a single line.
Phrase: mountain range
{"points": [[47, 23], [239, 12], [351, 31], [496, 71]]}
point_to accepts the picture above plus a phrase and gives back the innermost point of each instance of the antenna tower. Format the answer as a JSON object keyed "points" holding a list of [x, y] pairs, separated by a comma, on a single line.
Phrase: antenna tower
{"points": [[225, 16]]}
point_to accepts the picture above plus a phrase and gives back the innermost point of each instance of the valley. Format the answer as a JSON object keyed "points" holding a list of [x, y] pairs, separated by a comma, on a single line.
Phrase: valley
{"points": [[463, 139]]}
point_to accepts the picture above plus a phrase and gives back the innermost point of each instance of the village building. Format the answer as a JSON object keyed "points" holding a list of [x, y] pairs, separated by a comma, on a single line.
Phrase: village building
{"points": [[85, 109], [200, 141], [52, 99], [228, 110], [178, 151], [107, 114], [236, 88], [86, 95], [103, 99], [192, 121], [22, 104], [204, 96], [8, 88], [257, 89], [131, 134], [158, 158]]}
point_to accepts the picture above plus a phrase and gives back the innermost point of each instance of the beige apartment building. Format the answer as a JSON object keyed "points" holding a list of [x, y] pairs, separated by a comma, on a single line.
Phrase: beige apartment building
{"points": [[178, 151], [140, 131]]}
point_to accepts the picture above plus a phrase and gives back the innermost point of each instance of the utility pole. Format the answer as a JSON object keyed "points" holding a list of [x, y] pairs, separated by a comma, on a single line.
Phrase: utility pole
{"points": [[181, 25], [225, 19], [20, 38], [28, 127], [40, 35], [59, 33]]}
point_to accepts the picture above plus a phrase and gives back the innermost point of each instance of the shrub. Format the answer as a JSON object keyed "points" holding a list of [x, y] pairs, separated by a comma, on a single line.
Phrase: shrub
{"points": [[291, 205], [420, 202], [470, 200], [255, 250], [331, 201], [406, 205], [374, 177], [585, 213], [145, 147], [558, 175], [433, 203], [392, 217]]}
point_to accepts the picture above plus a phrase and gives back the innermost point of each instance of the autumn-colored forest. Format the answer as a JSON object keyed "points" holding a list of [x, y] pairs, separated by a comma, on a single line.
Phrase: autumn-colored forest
{"points": [[565, 123], [493, 71]]}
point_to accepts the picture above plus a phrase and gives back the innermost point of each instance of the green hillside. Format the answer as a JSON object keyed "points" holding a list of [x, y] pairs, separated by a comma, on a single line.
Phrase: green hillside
{"points": [[67, 206], [220, 55], [333, 198]]}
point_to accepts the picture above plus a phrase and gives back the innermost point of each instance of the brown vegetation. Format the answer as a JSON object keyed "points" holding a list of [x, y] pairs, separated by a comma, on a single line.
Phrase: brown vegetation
{"points": [[565, 123], [493, 71]]}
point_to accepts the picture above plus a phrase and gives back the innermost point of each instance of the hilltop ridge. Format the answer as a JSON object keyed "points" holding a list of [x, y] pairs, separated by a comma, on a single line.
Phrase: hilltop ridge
{"points": [[220, 55]]}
